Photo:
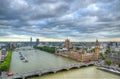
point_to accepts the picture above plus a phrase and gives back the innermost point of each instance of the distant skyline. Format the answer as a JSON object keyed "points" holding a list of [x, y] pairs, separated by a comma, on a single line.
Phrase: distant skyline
{"points": [[55, 20]]}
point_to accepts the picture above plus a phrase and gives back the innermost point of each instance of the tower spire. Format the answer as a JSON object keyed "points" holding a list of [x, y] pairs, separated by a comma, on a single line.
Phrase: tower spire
{"points": [[97, 48], [67, 43]]}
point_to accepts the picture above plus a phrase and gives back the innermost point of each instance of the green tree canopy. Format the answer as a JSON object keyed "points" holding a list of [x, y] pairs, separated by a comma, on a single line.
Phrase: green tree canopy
{"points": [[108, 62], [5, 65]]}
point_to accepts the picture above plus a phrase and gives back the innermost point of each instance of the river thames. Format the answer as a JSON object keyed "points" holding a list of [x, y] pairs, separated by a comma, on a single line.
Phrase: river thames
{"points": [[40, 60]]}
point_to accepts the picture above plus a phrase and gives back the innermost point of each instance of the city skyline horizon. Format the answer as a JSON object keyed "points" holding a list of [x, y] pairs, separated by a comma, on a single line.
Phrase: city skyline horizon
{"points": [[62, 40]]}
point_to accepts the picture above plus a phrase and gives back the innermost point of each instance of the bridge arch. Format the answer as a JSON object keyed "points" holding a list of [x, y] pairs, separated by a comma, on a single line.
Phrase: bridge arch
{"points": [[75, 67], [64, 69]]}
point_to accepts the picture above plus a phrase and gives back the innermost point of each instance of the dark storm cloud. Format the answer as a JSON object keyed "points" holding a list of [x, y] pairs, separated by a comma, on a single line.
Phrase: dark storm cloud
{"points": [[79, 19]]}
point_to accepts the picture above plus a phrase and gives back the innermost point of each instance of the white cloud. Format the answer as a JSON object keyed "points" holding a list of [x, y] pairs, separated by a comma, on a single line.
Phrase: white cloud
{"points": [[56, 20]]}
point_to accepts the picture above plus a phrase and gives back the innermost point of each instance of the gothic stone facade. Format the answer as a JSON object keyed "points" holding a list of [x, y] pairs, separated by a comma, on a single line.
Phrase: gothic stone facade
{"points": [[80, 55]]}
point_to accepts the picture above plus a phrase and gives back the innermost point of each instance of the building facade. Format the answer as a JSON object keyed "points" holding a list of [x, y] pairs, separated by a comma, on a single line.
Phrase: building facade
{"points": [[114, 57], [31, 41], [37, 41], [81, 54]]}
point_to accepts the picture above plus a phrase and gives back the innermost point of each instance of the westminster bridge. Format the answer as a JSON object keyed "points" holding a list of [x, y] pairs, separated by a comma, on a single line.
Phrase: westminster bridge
{"points": [[51, 70]]}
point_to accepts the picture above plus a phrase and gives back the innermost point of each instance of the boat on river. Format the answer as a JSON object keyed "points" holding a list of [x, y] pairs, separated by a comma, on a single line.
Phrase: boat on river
{"points": [[109, 70], [23, 58]]}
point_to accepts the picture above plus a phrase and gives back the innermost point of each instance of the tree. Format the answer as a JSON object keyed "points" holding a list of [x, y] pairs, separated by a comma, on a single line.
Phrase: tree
{"points": [[119, 64], [93, 50], [108, 62], [47, 49], [5, 65], [102, 56], [107, 51]]}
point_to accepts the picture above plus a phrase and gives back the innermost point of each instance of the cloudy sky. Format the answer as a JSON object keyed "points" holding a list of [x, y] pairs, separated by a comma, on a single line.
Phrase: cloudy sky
{"points": [[55, 20]]}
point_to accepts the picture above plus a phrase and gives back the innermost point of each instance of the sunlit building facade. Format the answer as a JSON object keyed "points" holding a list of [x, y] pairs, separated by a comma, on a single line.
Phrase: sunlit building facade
{"points": [[81, 54]]}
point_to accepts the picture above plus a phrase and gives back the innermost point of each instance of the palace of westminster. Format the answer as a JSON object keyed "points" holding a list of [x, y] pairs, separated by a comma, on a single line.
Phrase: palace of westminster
{"points": [[79, 54]]}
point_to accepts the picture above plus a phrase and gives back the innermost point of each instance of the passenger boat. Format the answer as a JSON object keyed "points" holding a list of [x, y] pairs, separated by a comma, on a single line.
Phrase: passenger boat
{"points": [[25, 61], [23, 58], [109, 70]]}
